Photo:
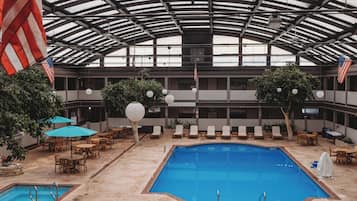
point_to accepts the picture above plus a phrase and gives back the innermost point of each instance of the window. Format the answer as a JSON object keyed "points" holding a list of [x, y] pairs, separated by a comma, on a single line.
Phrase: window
{"points": [[341, 87], [72, 83], [353, 83], [213, 113], [225, 51], [184, 112], [213, 83], [329, 83], [238, 113], [242, 84], [141, 54], [93, 83], [254, 53], [329, 115], [169, 52], [116, 59], [280, 57], [272, 113], [115, 80], [155, 112], [340, 118], [181, 83], [352, 121], [60, 83]]}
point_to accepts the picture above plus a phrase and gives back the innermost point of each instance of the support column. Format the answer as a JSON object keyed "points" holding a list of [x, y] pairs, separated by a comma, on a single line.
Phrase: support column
{"points": [[334, 89], [346, 123], [154, 57], [166, 86], [101, 62], [260, 115], [228, 100], [269, 56], [240, 53], [297, 60], [128, 56], [347, 88]]}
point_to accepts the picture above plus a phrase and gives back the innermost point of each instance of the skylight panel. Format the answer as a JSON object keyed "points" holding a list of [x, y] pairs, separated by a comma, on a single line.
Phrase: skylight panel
{"points": [[61, 29], [77, 35], [349, 2], [84, 6]]}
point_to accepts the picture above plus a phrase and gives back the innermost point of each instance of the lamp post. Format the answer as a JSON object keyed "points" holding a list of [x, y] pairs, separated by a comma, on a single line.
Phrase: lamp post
{"points": [[135, 112]]}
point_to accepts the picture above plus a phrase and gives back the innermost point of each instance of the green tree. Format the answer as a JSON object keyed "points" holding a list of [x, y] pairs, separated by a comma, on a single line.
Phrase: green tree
{"points": [[25, 99], [288, 87], [118, 96]]}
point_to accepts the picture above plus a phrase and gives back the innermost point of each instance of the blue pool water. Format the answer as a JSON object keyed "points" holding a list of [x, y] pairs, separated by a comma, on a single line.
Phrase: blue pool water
{"points": [[21, 193], [239, 172]]}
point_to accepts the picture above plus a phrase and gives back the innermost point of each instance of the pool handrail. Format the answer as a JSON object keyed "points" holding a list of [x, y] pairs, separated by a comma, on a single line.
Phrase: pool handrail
{"points": [[55, 197], [36, 193]]}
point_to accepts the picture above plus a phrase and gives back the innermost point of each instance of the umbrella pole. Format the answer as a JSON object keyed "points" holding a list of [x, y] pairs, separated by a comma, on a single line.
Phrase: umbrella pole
{"points": [[71, 147]]}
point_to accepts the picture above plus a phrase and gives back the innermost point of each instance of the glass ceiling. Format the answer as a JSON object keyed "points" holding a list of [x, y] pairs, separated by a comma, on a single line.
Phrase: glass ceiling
{"points": [[80, 32]]}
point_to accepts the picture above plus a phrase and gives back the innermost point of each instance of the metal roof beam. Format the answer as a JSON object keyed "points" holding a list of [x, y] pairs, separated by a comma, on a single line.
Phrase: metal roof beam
{"points": [[55, 10], [298, 20], [116, 6], [210, 10], [172, 15], [334, 38], [61, 43], [250, 18]]}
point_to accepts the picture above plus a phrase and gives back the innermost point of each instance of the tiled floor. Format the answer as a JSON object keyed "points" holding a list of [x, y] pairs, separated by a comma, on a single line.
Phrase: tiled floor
{"points": [[126, 178]]}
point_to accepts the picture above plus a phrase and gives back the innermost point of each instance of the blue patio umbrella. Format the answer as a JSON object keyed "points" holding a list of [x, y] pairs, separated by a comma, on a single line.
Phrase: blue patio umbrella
{"points": [[71, 132], [59, 120]]}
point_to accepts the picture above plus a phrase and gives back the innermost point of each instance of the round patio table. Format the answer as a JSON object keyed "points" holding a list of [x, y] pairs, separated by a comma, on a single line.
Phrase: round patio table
{"points": [[86, 148], [70, 163]]}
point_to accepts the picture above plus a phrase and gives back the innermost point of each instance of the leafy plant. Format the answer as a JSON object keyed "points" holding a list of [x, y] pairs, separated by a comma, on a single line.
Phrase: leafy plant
{"points": [[25, 99], [118, 96], [278, 87]]}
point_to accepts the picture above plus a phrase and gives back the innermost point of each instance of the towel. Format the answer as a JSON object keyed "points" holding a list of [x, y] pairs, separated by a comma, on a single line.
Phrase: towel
{"points": [[325, 165]]}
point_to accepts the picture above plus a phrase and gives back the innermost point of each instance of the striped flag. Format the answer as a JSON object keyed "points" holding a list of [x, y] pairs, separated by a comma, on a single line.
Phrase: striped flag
{"points": [[344, 64], [195, 76], [47, 66], [23, 39]]}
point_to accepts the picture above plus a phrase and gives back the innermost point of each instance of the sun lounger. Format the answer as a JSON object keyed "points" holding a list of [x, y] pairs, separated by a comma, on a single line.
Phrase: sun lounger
{"points": [[156, 132], [242, 132], [258, 132], [211, 132], [193, 131], [276, 132], [226, 132], [179, 131]]}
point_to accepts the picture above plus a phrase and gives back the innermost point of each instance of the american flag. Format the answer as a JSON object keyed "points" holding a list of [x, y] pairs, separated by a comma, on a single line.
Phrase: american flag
{"points": [[23, 39], [195, 73], [47, 66], [344, 64]]}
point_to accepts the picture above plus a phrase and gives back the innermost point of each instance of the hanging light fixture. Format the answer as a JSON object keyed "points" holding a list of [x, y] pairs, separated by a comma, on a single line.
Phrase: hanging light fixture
{"points": [[320, 94], [194, 90], [89, 91], [169, 99], [149, 94], [294, 91], [164, 91], [274, 21]]}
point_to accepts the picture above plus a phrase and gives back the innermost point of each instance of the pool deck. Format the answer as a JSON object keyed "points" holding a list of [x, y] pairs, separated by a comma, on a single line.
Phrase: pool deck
{"points": [[123, 172]]}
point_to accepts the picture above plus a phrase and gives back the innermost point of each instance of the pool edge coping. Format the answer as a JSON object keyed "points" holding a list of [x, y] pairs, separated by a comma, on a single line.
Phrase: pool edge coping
{"points": [[320, 183], [73, 187]]}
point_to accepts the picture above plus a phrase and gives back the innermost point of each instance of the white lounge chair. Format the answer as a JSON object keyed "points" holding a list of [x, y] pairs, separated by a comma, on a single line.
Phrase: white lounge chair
{"points": [[179, 131], [258, 132], [193, 131], [156, 132], [211, 132], [226, 132], [242, 132], [276, 132]]}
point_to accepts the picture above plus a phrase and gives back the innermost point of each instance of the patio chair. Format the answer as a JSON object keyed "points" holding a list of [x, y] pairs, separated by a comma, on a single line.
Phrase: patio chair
{"points": [[211, 132], [58, 163], [341, 157], [276, 132], [193, 131], [258, 132], [178, 132], [226, 132], [242, 132], [83, 164], [332, 152], [156, 132]]}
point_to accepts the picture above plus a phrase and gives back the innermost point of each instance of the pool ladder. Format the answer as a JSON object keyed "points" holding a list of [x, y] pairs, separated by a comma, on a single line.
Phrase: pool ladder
{"points": [[36, 194], [263, 195], [54, 196]]}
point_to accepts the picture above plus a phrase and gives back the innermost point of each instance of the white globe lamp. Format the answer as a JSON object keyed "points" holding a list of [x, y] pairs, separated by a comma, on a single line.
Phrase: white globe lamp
{"points": [[279, 90], [164, 91], [54, 92], [169, 99], [149, 94], [89, 91], [194, 90], [294, 91], [320, 94], [135, 112]]}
